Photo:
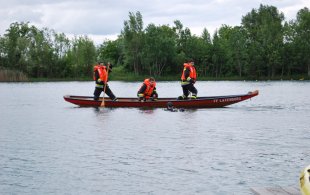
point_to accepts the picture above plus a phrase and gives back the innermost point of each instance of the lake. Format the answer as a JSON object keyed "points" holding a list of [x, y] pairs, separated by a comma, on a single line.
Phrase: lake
{"points": [[49, 146]]}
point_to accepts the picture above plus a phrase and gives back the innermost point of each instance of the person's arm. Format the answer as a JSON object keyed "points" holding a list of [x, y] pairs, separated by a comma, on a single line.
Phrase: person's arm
{"points": [[140, 93], [154, 94], [110, 67], [186, 73], [97, 77]]}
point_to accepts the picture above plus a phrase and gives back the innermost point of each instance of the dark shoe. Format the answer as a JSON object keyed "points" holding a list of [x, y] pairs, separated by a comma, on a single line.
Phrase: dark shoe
{"points": [[180, 98], [115, 100], [153, 99]]}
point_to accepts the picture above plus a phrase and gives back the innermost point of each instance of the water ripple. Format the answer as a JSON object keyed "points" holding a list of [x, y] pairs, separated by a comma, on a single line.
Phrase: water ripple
{"points": [[48, 146]]}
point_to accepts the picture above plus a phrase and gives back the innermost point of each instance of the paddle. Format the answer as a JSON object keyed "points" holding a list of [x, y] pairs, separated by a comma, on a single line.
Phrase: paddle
{"points": [[105, 86]]}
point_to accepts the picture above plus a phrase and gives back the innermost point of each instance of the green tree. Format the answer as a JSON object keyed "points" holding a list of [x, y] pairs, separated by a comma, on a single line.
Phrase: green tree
{"points": [[159, 49], [218, 56], [17, 45], [62, 46], [133, 36], [41, 59], [29, 49], [182, 39], [82, 56], [3, 52], [265, 34], [290, 54], [206, 59], [232, 41], [303, 38], [111, 51], [239, 55]]}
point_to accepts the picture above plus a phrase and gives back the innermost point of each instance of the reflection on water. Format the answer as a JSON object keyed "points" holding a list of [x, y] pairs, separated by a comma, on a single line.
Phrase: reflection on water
{"points": [[50, 146]]}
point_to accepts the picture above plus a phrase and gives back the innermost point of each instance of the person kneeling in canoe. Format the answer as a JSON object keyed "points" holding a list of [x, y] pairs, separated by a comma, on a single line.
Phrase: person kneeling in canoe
{"points": [[148, 90], [188, 79], [101, 78]]}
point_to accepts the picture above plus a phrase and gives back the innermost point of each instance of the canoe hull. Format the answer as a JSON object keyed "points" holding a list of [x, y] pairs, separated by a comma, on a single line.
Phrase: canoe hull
{"points": [[201, 102]]}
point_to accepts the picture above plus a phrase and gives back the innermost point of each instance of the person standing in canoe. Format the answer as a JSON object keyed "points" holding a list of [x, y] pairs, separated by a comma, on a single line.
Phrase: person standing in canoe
{"points": [[100, 76], [188, 79], [148, 90]]}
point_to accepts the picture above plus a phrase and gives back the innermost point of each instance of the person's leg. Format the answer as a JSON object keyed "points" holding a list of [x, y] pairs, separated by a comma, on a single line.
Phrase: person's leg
{"points": [[154, 96], [193, 90], [97, 93], [185, 93], [110, 93]]}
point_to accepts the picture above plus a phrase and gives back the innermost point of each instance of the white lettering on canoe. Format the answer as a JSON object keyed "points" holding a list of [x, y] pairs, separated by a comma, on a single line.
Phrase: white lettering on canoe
{"points": [[227, 100]]}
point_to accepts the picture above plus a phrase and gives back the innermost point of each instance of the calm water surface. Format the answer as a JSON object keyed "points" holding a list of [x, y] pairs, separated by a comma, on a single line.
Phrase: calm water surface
{"points": [[49, 146]]}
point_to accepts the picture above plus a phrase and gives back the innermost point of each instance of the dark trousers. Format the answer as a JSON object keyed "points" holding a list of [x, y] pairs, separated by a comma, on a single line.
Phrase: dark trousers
{"points": [[189, 88], [108, 91]]}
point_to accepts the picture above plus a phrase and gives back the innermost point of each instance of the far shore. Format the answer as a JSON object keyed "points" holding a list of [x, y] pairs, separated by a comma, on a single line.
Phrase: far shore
{"points": [[168, 78]]}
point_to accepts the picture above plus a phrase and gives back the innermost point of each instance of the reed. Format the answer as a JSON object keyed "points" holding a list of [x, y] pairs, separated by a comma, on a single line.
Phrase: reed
{"points": [[7, 75]]}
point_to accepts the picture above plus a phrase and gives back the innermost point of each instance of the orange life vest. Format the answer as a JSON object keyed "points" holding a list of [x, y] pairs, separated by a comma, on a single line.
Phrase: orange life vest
{"points": [[192, 71], [102, 71], [149, 88]]}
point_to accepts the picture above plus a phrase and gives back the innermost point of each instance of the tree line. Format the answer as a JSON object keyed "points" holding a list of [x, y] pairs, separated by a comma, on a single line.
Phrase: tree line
{"points": [[263, 46]]}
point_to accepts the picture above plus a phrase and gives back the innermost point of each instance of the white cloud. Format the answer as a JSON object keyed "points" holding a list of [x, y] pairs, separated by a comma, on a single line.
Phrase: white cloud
{"points": [[101, 19]]}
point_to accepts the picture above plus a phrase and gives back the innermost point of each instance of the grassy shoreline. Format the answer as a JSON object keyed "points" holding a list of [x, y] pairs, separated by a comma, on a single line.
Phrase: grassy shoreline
{"points": [[171, 78], [15, 76], [158, 79]]}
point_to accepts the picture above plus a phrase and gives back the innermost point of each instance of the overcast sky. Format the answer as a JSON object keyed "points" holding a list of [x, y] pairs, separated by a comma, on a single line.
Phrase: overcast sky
{"points": [[100, 19]]}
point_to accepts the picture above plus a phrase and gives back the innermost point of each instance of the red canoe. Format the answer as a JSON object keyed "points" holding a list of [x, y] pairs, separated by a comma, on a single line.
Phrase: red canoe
{"points": [[200, 102]]}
